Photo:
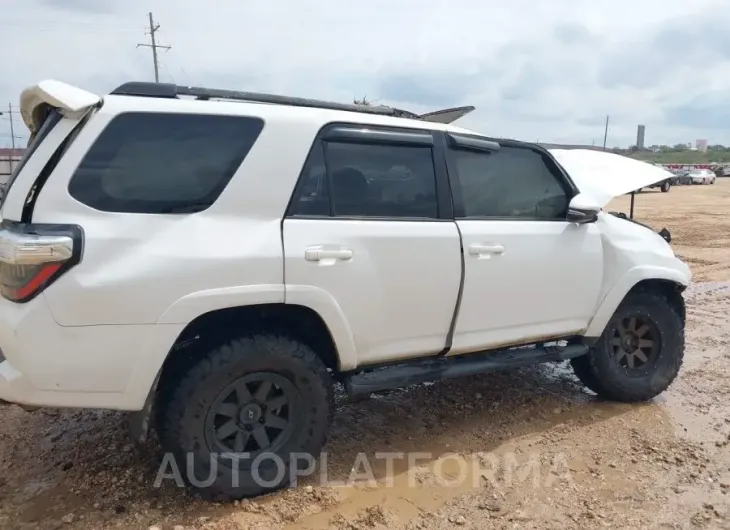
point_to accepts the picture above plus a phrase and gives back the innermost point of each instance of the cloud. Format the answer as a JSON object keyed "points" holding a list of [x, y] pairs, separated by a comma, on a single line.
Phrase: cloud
{"points": [[82, 6], [708, 111], [547, 70]]}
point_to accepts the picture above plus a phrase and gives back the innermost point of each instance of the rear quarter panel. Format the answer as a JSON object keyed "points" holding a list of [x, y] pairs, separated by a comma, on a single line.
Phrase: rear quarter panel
{"points": [[137, 266]]}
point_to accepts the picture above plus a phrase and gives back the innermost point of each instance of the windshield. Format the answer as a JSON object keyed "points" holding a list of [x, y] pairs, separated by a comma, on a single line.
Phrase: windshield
{"points": [[52, 119]]}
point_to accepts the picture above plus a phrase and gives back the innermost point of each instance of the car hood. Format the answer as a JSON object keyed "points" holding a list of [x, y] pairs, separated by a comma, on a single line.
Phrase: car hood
{"points": [[603, 175]]}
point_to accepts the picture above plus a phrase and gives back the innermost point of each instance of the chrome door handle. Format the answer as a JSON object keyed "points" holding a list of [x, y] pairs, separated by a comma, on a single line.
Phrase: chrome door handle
{"points": [[319, 254], [479, 249]]}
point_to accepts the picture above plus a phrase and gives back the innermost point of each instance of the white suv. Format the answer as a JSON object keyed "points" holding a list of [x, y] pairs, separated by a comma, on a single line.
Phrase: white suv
{"points": [[226, 256]]}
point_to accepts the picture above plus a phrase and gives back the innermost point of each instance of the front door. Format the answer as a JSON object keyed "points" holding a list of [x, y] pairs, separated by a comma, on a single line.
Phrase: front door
{"points": [[530, 275]]}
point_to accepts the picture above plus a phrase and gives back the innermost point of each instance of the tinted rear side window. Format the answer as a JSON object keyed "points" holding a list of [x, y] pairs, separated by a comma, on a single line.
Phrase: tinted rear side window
{"points": [[163, 163]]}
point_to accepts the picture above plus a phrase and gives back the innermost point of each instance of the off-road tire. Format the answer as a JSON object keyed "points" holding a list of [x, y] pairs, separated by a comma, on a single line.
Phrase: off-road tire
{"points": [[598, 370], [184, 429], [665, 187]]}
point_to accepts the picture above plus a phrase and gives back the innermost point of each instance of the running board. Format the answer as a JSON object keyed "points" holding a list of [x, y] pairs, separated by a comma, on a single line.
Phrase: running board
{"points": [[427, 370]]}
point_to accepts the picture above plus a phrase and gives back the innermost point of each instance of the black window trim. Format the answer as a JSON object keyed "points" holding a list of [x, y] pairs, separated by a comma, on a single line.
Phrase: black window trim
{"points": [[472, 142], [223, 185], [52, 119], [34, 191], [564, 180], [373, 135], [361, 133]]}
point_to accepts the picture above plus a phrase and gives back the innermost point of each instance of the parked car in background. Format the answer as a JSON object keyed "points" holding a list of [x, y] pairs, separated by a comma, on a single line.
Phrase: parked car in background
{"points": [[682, 178], [664, 185], [701, 176]]}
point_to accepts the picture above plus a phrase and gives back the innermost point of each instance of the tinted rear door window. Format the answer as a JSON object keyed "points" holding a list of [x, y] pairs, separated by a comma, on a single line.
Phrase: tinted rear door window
{"points": [[163, 163], [368, 180]]}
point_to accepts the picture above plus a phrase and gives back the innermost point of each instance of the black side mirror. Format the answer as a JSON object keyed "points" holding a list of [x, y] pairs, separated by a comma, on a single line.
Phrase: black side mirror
{"points": [[582, 216], [583, 209]]}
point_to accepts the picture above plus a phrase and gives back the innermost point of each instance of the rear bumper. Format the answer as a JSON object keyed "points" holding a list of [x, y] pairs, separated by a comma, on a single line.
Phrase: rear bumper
{"points": [[106, 367], [16, 388]]}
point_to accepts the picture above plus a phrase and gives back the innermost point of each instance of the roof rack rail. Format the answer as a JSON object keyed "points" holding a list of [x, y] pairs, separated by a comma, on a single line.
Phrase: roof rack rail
{"points": [[169, 90]]}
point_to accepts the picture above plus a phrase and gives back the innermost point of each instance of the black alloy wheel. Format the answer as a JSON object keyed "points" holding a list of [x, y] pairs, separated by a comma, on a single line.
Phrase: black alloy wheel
{"points": [[254, 414], [636, 344]]}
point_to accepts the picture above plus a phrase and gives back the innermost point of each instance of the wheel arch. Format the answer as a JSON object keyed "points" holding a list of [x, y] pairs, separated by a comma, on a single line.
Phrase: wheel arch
{"points": [[670, 283], [213, 328]]}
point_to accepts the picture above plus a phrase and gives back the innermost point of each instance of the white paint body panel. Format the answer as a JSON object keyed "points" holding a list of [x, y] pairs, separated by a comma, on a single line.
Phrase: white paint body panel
{"points": [[542, 281], [398, 291], [98, 336], [605, 175]]}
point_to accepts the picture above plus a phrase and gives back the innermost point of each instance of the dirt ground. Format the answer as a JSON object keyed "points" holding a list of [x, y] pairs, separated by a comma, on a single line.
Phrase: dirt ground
{"points": [[524, 449]]}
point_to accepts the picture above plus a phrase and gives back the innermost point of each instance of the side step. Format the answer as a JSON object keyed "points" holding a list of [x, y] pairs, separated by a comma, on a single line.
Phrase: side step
{"points": [[435, 369]]}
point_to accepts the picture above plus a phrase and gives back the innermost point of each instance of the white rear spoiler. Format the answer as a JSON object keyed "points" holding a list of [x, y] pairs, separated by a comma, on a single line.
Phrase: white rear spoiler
{"points": [[69, 100], [447, 115]]}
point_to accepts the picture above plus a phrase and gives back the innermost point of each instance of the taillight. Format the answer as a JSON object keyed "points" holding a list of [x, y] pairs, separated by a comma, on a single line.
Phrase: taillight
{"points": [[34, 256]]}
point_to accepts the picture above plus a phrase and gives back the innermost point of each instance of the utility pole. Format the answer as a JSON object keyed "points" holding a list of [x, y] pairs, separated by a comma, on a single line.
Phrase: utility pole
{"points": [[12, 129], [12, 136], [605, 134], [154, 46]]}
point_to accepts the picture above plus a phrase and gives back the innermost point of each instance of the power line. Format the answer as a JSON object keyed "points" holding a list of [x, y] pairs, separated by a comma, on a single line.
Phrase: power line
{"points": [[154, 46], [164, 65]]}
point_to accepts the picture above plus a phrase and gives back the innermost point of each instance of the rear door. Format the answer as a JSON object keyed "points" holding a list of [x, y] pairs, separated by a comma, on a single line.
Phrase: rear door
{"points": [[530, 275], [370, 235]]}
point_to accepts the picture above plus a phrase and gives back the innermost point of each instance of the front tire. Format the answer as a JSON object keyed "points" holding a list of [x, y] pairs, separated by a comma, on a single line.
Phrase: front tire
{"points": [[261, 397], [665, 187], [639, 353]]}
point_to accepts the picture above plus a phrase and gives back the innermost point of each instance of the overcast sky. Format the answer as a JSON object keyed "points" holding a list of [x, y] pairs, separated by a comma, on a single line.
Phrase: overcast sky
{"points": [[548, 70]]}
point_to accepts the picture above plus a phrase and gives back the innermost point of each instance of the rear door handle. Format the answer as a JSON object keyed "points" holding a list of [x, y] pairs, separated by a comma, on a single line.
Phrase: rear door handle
{"points": [[319, 254], [479, 249]]}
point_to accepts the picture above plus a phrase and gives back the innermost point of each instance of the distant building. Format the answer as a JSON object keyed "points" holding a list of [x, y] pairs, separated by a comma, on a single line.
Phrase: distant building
{"points": [[701, 145], [640, 137], [9, 158]]}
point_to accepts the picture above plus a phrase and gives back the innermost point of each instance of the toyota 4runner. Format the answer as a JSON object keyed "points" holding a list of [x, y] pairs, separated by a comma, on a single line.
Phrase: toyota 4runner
{"points": [[213, 261]]}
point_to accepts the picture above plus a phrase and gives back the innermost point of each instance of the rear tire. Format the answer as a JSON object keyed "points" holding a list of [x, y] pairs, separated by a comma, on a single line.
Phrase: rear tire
{"points": [[256, 390], [639, 353], [665, 187]]}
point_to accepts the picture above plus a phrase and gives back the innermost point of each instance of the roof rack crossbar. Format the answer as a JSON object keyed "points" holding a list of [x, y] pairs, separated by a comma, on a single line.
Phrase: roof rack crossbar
{"points": [[168, 90]]}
